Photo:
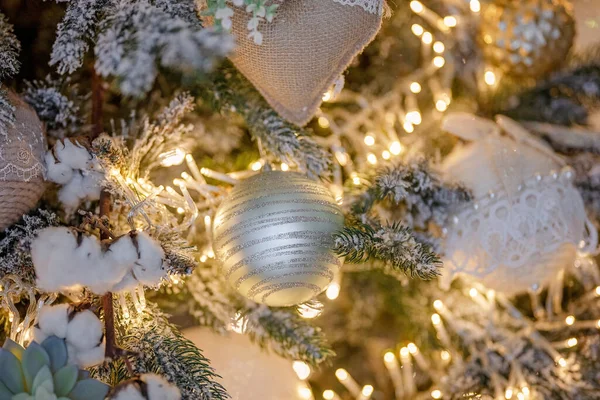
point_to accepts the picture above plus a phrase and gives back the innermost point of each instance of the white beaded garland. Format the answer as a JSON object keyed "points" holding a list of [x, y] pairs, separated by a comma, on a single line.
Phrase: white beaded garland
{"points": [[274, 236]]}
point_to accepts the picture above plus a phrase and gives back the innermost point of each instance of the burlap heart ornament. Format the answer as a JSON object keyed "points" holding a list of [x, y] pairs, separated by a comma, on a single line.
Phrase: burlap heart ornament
{"points": [[21, 163], [304, 50]]}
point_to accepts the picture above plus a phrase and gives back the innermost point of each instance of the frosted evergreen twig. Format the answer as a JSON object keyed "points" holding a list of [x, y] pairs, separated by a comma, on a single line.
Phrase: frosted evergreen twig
{"points": [[230, 91]]}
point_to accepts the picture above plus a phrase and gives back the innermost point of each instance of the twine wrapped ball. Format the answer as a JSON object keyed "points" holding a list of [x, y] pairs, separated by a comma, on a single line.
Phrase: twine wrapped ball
{"points": [[526, 221], [21, 163], [527, 38], [274, 235], [304, 50]]}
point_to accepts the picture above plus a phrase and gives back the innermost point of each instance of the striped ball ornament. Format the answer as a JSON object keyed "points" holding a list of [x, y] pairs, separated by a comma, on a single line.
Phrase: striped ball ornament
{"points": [[274, 235]]}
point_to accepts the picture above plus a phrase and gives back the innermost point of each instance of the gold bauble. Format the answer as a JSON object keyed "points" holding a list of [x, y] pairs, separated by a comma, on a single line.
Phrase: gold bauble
{"points": [[526, 38], [21, 163]]}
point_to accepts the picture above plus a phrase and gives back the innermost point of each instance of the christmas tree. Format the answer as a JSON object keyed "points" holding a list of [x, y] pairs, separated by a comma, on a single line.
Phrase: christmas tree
{"points": [[299, 199]]}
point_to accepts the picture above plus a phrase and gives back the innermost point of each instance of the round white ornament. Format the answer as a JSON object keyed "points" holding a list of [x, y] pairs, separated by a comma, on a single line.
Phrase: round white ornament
{"points": [[274, 235], [248, 373], [526, 221]]}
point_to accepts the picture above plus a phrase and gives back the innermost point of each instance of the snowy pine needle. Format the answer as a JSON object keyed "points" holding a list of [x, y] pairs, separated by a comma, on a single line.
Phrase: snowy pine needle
{"points": [[394, 244], [9, 49]]}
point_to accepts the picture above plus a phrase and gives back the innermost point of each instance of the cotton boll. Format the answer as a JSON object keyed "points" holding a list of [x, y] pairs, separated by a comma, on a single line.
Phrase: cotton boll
{"points": [[91, 185], [72, 154], [53, 320], [52, 256], [57, 172], [127, 283], [71, 194], [159, 388], [84, 331], [129, 392], [149, 268], [104, 276], [122, 250], [90, 358]]}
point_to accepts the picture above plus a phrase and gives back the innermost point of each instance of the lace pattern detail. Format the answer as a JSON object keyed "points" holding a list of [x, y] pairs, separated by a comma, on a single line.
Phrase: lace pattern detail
{"points": [[370, 6], [527, 231]]}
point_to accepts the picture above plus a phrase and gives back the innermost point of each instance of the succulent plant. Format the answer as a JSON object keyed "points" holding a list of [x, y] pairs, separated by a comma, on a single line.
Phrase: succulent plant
{"points": [[41, 372]]}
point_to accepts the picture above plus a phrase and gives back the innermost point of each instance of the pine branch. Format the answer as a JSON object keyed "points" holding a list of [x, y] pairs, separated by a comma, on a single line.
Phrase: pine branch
{"points": [[287, 334], [7, 113], [163, 350], [9, 49], [424, 195], [393, 244], [15, 252], [58, 104], [229, 90]]}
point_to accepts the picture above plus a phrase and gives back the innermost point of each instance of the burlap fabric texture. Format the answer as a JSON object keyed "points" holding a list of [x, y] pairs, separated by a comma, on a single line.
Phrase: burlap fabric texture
{"points": [[21, 163], [305, 49]]}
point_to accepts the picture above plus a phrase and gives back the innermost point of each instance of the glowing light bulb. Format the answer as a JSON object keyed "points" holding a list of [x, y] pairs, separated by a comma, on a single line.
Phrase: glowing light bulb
{"points": [[323, 122], [489, 78], [386, 155], [389, 357], [572, 342], [441, 105], [256, 166], [417, 6], [438, 304], [427, 38], [356, 180], [508, 393], [445, 355], [404, 352], [328, 395], [333, 291], [414, 117], [367, 390], [301, 369], [412, 348], [341, 374], [341, 158], [597, 290], [415, 87], [371, 158], [439, 47], [171, 157], [475, 6], [327, 96], [525, 390], [598, 323], [369, 140], [417, 29], [408, 127], [450, 21], [284, 167], [180, 210], [570, 320], [473, 292], [562, 362], [439, 61], [304, 392], [436, 319], [436, 394], [396, 148]]}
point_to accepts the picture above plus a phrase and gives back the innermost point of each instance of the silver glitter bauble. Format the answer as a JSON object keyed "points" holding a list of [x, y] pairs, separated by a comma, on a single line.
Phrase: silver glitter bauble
{"points": [[527, 38], [274, 236]]}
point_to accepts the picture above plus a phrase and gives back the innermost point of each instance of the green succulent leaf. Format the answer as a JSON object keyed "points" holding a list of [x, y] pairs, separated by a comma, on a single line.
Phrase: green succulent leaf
{"points": [[43, 380], [5, 394], [89, 389], [14, 348], [34, 358], [65, 379], [10, 372], [22, 396], [57, 351]]}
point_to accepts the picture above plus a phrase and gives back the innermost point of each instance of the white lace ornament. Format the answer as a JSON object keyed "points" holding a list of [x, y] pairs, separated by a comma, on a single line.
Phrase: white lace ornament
{"points": [[527, 221], [370, 6]]}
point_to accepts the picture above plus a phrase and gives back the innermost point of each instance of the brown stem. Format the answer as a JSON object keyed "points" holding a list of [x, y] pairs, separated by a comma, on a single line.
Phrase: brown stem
{"points": [[97, 104]]}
